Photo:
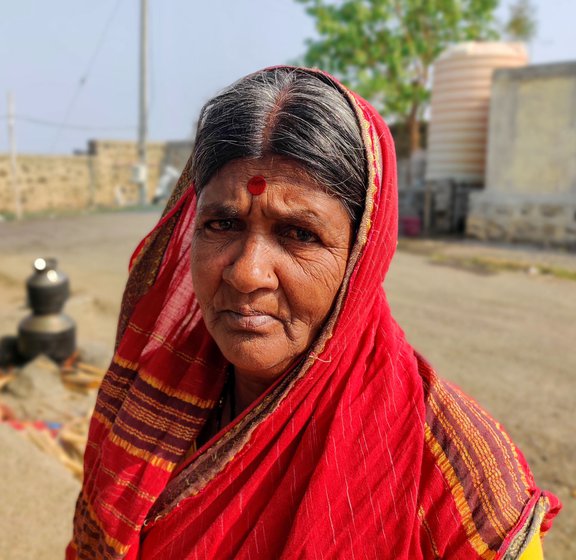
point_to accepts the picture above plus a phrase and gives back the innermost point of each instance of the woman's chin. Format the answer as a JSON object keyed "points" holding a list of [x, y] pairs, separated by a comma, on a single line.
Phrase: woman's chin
{"points": [[255, 359]]}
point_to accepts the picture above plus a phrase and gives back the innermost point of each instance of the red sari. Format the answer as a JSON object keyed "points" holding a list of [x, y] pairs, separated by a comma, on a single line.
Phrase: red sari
{"points": [[361, 451]]}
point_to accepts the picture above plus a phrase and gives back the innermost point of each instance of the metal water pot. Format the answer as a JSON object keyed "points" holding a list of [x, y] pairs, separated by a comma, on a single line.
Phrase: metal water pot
{"points": [[47, 330]]}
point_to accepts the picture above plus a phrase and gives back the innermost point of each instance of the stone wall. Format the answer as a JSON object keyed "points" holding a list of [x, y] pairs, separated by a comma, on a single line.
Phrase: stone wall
{"points": [[46, 183], [112, 168], [101, 177], [530, 192]]}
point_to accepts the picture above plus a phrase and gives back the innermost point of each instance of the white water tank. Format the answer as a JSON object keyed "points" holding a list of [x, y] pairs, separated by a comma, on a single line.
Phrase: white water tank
{"points": [[459, 108]]}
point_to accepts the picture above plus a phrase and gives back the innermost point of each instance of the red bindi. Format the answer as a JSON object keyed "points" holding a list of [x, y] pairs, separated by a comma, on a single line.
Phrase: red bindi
{"points": [[256, 185]]}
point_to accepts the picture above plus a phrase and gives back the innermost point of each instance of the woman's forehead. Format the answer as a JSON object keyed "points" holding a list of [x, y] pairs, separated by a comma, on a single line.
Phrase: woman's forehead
{"points": [[287, 183], [273, 168]]}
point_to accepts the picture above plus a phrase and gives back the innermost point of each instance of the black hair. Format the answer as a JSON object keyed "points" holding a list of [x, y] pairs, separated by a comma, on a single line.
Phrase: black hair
{"points": [[289, 112]]}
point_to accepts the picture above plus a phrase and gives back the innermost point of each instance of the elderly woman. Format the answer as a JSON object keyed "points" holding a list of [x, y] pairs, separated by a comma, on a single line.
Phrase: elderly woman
{"points": [[262, 403]]}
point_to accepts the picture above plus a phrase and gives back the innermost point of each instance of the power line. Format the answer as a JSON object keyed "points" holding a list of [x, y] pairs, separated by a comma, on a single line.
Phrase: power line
{"points": [[86, 74], [43, 122]]}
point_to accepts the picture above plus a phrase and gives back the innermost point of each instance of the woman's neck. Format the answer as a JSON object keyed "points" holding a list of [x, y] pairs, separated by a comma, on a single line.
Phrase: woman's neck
{"points": [[247, 389]]}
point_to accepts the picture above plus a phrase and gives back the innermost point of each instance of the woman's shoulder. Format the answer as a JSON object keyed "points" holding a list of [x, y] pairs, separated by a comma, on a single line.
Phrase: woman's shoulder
{"points": [[477, 494]]}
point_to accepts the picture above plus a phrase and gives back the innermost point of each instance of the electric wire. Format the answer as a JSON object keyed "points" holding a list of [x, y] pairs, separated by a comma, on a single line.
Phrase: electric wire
{"points": [[43, 122], [86, 75]]}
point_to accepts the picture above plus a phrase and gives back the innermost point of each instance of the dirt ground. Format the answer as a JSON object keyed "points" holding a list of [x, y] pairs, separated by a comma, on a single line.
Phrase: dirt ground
{"points": [[506, 337]]}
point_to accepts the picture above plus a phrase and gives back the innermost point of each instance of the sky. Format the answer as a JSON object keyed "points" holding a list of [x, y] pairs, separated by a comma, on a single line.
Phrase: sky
{"points": [[75, 62]]}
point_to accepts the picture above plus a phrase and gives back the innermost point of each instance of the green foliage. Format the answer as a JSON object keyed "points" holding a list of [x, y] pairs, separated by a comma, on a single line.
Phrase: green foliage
{"points": [[521, 25], [384, 48]]}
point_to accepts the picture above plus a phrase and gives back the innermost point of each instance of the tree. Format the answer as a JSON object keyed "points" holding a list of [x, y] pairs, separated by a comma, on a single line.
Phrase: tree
{"points": [[521, 26], [384, 48]]}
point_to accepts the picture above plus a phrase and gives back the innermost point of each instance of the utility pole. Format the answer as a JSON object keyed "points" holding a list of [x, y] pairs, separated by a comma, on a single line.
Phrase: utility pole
{"points": [[142, 169], [13, 165]]}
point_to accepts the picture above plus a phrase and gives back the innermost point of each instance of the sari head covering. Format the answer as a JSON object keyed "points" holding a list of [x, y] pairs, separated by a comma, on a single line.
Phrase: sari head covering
{"points": [[360, 451]]}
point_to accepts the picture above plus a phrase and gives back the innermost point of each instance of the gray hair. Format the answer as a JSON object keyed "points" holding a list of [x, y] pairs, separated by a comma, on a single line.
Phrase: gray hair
{"points": [[289, 112]]}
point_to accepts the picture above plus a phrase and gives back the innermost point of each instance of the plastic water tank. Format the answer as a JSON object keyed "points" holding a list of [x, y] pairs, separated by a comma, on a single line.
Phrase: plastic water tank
{"points": [[459, 108]]}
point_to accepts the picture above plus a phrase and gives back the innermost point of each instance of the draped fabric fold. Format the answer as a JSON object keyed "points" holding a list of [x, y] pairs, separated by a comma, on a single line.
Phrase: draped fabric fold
{"points": [[359, 451]]}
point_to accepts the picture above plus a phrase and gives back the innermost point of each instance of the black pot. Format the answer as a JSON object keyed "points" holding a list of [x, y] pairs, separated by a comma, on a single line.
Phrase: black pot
{"points": [[47, 330], [53, 335], [48, 288]]}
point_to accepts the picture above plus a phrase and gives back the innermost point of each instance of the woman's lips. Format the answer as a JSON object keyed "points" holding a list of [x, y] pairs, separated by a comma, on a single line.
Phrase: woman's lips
{"points": [[247, 321]]}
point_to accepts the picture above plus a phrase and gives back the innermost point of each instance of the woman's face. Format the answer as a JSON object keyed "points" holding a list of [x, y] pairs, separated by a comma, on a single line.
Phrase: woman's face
{"points": [[266, 268]]}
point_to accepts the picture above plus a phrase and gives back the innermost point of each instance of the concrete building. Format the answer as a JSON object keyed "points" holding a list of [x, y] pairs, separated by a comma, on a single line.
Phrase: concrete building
{"points": [[459, 109], [530, 188]]}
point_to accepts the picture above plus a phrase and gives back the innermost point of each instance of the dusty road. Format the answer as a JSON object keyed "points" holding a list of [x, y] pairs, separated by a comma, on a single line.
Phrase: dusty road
{"points": [[506, 338]]}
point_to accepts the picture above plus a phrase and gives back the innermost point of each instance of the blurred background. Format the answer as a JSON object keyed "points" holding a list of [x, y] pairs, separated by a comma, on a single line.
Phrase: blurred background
{"points": [[98, 107]]}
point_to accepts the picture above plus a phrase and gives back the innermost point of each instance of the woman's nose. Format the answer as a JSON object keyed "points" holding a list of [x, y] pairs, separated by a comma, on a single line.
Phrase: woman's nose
{"points": [[252, 266]]}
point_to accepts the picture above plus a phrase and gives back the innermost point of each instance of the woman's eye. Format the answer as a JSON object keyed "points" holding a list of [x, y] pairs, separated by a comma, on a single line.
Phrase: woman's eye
{"points": [[302, 235], [221, 225]]}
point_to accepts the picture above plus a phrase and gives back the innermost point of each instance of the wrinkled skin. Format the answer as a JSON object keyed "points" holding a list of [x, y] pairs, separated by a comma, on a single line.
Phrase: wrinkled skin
{"points": [[266, 268]]}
